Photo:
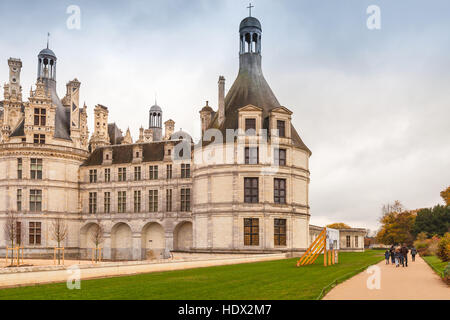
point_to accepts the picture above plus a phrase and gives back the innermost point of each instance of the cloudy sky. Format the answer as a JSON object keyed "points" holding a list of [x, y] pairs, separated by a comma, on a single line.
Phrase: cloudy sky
{"points": [[372, 105]]}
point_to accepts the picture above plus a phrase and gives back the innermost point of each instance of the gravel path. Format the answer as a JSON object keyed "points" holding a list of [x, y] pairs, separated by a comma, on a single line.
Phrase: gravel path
{"points": [[416, 282]]}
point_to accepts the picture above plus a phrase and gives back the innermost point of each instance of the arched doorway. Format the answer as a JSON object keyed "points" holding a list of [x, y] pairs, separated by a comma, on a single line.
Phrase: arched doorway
{"points": [[182, 236], [121, 242], [153, 241], [87, 241]]}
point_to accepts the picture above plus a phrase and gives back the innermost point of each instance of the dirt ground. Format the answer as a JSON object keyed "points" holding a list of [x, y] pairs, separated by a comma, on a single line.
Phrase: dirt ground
{"points": [[416, 282]]}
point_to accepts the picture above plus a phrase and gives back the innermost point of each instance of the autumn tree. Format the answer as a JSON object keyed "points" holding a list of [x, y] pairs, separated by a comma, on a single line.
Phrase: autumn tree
{"points": [[59, 232], [446, 196], [97, 238], [396, 224], [338, 225]]}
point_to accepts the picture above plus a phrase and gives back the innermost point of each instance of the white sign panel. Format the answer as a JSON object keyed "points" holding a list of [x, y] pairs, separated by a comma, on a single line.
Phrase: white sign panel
{"points": [[332, 239]]}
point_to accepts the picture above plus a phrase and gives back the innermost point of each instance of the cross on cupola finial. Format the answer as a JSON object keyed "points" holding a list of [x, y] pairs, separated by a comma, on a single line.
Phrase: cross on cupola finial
{"points": [[250, 9]]}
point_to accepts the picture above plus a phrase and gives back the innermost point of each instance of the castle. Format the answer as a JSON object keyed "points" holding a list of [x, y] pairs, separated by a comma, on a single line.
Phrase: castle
{"points": [[242, 189]]}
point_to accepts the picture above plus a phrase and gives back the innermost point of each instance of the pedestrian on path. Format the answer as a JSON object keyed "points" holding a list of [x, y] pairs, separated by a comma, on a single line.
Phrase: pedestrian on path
{"points": [[397, 258], [413, 253], [387, 256], [392, 254], [404, 251]]}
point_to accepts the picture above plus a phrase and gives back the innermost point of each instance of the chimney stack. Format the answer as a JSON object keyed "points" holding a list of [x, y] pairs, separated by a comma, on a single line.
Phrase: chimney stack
{"points": [[221, 99]]}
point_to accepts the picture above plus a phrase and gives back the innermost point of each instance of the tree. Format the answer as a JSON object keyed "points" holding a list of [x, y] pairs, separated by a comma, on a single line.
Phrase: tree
{"points": [[97, 238], [396, 224], [446, 196], [59, 232], [435, 221], [338, 225], [13, 231]]}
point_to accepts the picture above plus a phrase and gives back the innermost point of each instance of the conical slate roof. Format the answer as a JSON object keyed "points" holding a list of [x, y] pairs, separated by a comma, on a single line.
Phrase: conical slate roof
{"points": [[251, 88]]}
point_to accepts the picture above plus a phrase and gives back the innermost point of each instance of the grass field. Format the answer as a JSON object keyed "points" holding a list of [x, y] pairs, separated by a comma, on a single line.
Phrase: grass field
{"points": [[274, 280], [436, 264]]}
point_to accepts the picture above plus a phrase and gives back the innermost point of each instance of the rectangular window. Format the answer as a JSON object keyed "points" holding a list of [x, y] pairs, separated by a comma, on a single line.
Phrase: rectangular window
{"points": [[39, 117], [93, 176], [35, 200], [251, 190], [185, 171], [92, 202], [19, 199], [185, 200], [108, 175], [122, 201], [153, 200], [169, 200], [107, 202], [251, 155], [122, 174], [280, 232], [18, 233], [39, 139], [34, 233], [137, 173], [169, 171], [280, 157], [281, 128], [348, 241], [356, 241], [153, 170], [250, 124], [36, 169], [137, 201], [279, 191], [251, 232], [19, 168]]}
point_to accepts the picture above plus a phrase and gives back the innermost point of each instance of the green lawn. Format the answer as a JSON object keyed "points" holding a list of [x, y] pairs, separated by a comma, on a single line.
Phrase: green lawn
{"points": [[436, 264], [277, 280]]}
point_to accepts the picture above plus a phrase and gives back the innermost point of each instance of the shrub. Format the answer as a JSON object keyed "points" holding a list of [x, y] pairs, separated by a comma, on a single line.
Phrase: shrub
{"points": [[428, 247], [443, 249], [447, 274]]}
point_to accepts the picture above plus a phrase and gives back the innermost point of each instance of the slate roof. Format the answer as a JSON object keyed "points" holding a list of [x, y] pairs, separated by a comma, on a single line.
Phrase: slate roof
{"points": [[20, 130], [114, 133], [124, 154], [250, 87]]}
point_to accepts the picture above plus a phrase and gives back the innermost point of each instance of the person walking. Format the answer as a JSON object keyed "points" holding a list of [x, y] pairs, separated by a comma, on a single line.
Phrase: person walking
{"points": [[392, 254], [404, 252], [387, 256], [397, 258], [413, 254]]}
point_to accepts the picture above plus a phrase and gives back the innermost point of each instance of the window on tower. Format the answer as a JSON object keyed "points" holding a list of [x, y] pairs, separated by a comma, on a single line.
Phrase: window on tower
{"points": [[40, 115], [39, 138]]}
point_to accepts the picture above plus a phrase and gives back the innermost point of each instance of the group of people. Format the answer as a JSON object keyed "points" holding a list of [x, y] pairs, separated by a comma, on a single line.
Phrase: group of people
{"points": [[399, 255]]}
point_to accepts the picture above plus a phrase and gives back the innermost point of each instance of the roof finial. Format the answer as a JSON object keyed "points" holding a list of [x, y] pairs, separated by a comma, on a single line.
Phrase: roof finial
{"points": [[250, 9], [48, 38], [156, 100]]}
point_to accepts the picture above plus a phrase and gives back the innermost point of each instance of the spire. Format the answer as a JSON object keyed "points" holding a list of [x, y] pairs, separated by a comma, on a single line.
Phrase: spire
{"points": [[48, 38], [250, 9]]}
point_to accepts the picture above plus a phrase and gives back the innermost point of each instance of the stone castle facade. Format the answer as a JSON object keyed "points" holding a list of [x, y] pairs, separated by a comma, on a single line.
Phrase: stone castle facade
{"points": [[162, 193]]}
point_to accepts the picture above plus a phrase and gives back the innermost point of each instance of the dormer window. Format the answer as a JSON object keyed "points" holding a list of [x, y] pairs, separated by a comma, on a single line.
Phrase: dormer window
{"points": [[250, 124], [281, 126]]}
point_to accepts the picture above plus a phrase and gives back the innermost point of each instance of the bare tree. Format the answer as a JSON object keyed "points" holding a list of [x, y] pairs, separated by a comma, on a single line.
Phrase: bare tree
{"points": [[59, 232], [97, 238], [13, 232]]}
